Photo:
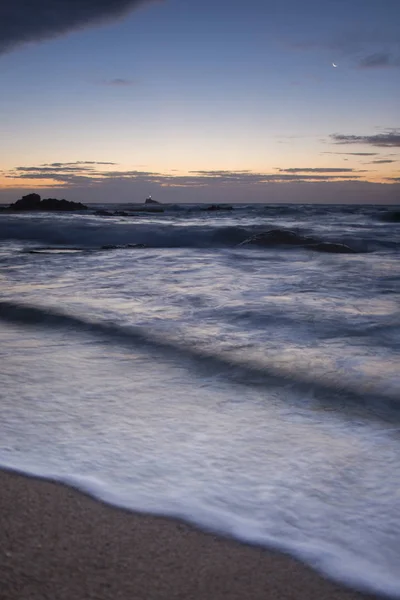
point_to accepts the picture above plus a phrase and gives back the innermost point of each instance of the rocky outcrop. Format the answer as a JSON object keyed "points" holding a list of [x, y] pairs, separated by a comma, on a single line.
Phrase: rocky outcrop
{"points": [[29, 202], [103, 213], [277, 237], [123, 247], [331, 247], [150, 200], [107, 213], [391, 217], [284, 237], [214, 207], [32, 202]]}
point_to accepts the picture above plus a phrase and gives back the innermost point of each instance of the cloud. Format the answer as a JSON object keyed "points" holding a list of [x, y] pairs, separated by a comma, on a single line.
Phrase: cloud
{"points": [[369, 42], [388, 139], [79, 162], [221, 173], [316, 170], [382, 161], [86, 174], [118, 82], [53, 169], [36, 20], [60, 178], [76, 173], [353, 153], [379, 60]]}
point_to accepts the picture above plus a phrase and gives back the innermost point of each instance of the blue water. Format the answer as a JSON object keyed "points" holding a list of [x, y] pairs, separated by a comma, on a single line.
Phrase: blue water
{"points": [[249, 388]]}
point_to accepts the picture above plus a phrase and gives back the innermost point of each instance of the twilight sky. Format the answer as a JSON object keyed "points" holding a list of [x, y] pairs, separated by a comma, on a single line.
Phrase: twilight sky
{"points": [[207, 100]]}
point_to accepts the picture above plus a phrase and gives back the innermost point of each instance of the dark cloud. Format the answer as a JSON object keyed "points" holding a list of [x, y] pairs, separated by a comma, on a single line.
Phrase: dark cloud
{"points": [[353, 153], [388, 139], [83, 172], [316, 170], [61, 178], [53, 169], [369, 42], [118, 82], [77, 166], [129, 174], [79, 162], [379, 60], [220, 173], [382, 161], [35, 20], [396, 179]]}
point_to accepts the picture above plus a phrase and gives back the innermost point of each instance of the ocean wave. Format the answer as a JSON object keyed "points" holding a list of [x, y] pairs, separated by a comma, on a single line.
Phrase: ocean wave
{"points": [[89, 233], [326, 389]]}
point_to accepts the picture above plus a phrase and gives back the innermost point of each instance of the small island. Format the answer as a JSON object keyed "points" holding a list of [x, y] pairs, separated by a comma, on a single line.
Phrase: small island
{"points": [[33, 202]]}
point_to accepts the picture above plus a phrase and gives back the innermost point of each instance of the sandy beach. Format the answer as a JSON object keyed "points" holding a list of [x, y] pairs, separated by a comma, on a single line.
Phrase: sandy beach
{"points": [[59, 544]]}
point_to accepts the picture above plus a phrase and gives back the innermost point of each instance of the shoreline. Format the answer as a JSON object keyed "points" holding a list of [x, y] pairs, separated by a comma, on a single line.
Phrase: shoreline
{"points": [[62, 544]]}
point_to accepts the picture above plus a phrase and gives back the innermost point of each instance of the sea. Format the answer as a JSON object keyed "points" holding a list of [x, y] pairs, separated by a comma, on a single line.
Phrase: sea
{"points": [[191, 363]]}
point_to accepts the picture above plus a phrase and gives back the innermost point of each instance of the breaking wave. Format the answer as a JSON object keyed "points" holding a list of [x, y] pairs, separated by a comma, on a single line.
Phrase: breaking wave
{"points": [[242, 370], [88, 233]]}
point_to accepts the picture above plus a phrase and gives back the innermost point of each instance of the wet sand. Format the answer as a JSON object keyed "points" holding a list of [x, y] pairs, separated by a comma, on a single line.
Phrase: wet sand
{"points": [[59, 544]]}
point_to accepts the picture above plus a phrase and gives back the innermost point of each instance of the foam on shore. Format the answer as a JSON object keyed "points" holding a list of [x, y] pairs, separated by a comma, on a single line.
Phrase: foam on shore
{"points": [[61, 544]]}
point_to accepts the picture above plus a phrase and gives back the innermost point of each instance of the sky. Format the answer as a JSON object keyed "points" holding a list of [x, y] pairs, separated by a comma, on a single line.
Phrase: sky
{"points": [[200, 101]]}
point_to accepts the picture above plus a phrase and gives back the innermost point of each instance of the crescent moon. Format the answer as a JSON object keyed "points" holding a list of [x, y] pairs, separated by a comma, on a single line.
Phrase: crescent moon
{"points": [[333, 65]]}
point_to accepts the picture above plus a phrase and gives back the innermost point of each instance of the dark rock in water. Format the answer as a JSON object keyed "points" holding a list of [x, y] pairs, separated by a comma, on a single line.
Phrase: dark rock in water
{"points": [[276, 237], [150, 200], [114, 247], [28, 202], [103, 213], [149, 208], [33, 202], [107, 213], [391, 217], [331, 247], [282, 237], [61, 205], [213, 207]]}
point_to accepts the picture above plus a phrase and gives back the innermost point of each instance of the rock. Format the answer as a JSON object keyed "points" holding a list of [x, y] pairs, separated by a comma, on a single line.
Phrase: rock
{"points": [[391, 217], [60, 205], [150, 200], [114, 247], [33, 202], [331, 247], [276, 237], [28, 202], [213, 207], [107, 213], [103, 213], [146, 208], [282, 237]]}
